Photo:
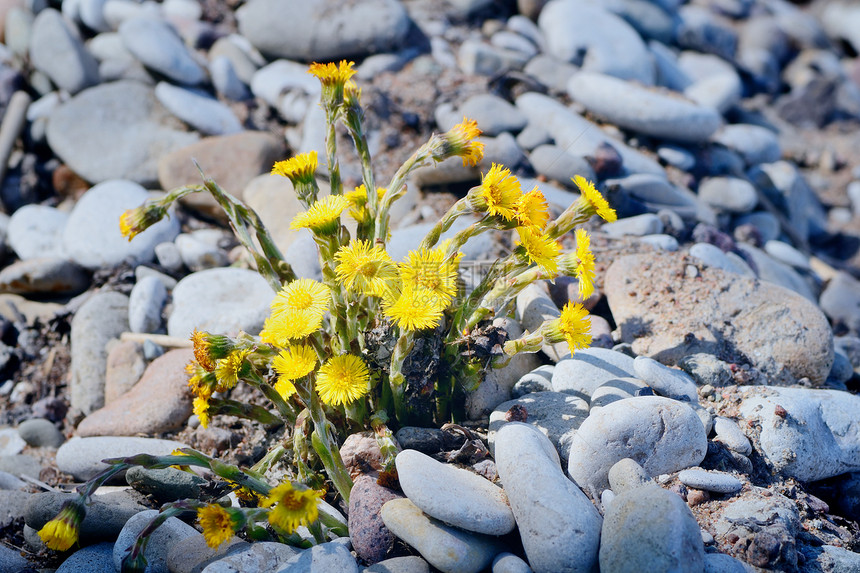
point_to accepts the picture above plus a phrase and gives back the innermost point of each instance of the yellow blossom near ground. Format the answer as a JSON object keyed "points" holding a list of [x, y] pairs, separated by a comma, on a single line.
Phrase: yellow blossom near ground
{"points": [[595, 199], [342, 380], [294, 506], [217, 524], [323, 216], [364, 267], [540, 249]]}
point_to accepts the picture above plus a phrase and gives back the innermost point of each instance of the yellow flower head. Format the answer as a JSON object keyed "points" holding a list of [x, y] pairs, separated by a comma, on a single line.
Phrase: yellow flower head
{"points": [[575, 326], [460, 143], [429, 270], [208, 348], [532, 210], [299, 169], [415, 309], [62, 532], [284, 387], [135, 221], [201, 408], [595, 201], [352, 95], [229, 370], [297, 311], [217, 524], [323, 217], [342, 379], [333, 79], [584, 271], [498, 194], [294, 361], [539, 249], [201, 381], [365, 268], [295, 505], [358, 202]]}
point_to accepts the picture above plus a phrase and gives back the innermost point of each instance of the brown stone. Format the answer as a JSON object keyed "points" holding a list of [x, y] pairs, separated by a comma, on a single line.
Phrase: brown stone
{"points": [[669, 305], [125, 366], [159, 402], [371, 539]]}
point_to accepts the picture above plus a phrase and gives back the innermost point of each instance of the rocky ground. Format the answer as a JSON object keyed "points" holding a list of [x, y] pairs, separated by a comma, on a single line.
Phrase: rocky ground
{"points": [[713, 426]]}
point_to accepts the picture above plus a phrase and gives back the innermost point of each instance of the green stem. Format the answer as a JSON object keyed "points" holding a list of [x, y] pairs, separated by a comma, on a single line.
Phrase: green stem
{"points": [[331, 152], [396, 378], [459, 208]]}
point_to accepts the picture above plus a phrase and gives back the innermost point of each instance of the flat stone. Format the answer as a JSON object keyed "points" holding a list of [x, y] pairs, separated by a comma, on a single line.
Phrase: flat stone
{"points": [[96, 558], [663, 435], [455, 496], [145, 304], [731, 436], [81, 457], [806, 434], [220, 301], [734, 318], [36, 231], [165, 485], [40, 433], [589, 368], [728, 194], [202, 112], [92, 235], [754, 143], [718, 482], [158, 47], [410, 564], [56, 49], [493, 114], [559, 527], [666, 381], [133, 131], [159, 402], [44, 276], [642, 110]]}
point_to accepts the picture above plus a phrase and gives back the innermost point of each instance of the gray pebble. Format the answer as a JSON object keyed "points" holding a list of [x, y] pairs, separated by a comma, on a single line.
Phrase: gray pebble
{"points": [[661, 242], [477, 58], [617, 389], [39, 433], [199, 254], [57, 51], [538, 380], [710, 481], [510, 563], [754, 143], [199, 110], [12, 560], [106, 513], [730, 434], [259, 556], [323, 558], [165, 485], [728, 194], [557, 164], [226, 80], [160, 542], [81, 457], [145, 303], [645, 224], [96, 558], [410, 564], [665, 381], [589, 368], [787, 254], [156, 44], [35, 231], [626, 475], [11, 442]]}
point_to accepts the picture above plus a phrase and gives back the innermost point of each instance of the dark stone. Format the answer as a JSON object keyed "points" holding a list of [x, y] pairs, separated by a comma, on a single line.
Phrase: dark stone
{"points": [[371, 540], [106, 514]]}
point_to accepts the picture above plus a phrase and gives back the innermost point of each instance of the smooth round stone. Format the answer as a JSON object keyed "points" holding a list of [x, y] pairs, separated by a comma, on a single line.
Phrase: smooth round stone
{"points": [[259, 556], [510, 563], [538, 380], [720, 91], [40, 433], [455, 496], [550, 71], [35, 231], [778, 273], [754, 143], [556, 414], [840, 300], [626, 475], [202, 112], [589, 368], [410, 564], [510, 41], [11, 442], [323, 31], [713, 256], [677, 157], [57, 51], [331, 556], [199, 254], [92, 235], [661, 242], [534, 306], [370, 538], [663, 434], [642, 110], [617, 389], [44, 276], [81, 457], [448, 549], [730, 434], [493, 114], [645, 224], [558, 525], [609, 44], [220, 301], [160, 542], [133, 131], [805, 433], [665, 381], [271, 82], [703, 31], [165, 485], [555, 163], [671, 540], [656, 193], [718, 482], [158, 47], [145, 303], [226, 81], [96, 558], [10, 482], [785, 253], [728, 194], [477, 58], [722, 563]]}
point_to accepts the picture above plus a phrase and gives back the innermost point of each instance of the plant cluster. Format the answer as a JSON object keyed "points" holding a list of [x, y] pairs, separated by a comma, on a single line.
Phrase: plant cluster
{"points": [[374, 343]]}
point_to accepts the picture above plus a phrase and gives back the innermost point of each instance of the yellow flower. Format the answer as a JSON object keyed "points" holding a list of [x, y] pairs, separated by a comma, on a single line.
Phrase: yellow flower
{"points": [[333, 74], [294, 361], [365, 268], [285, 388], [584, 271], [299, 169], [208, 348], [62, 532], [575, 326], [217, 524], [296, 505], [229, 370], [594, 199], [135, 221], [429, 270], [498, 194], [201, 381], [540, 249], [358, 202], [352, 95], [532, 210], [460, 142], [297, 311], [342, 380], [323, 217], [201, 408], [415, 309]]}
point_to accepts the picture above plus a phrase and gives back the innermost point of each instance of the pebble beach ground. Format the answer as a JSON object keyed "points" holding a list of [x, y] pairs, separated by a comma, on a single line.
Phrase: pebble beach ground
{"points": [[714, 424]]}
